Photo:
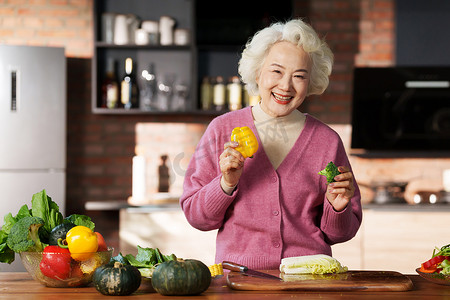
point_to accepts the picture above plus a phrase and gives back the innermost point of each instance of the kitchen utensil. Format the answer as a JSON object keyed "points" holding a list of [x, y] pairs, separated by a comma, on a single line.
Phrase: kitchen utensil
{"points": [[132, 26], [387, 192], [141, 37], [181, 37], [124, 28], [358, 281], [121, 30], [180, 97], [108, 20], [244, 270], [166, 25], [166, 90], [152, 27], [148, 89]]}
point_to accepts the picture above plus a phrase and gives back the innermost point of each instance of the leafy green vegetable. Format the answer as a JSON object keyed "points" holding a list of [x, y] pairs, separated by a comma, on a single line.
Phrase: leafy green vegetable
{"points": [[47, 211], [443, 251], [119, 258], [9, 220], [146, 272], [330, 172], [24, 235], [81, 220], [43, 207], [145, 260], [6, 254]]}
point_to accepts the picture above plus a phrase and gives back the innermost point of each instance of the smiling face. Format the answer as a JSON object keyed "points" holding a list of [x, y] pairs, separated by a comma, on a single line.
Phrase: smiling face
{"points": [[283, 79]]}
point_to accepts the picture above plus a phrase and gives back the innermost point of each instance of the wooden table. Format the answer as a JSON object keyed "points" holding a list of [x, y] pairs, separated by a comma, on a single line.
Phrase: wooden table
{"points": [[21, 286]]}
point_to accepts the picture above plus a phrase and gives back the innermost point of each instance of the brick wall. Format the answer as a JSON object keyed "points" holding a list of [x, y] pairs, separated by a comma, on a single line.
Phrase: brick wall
{"points": [[360, 33], [54, 23], [101, 147]]}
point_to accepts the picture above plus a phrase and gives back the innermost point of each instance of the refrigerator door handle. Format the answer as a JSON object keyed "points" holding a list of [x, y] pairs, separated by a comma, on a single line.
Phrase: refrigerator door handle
{"points": [[15, 84]]}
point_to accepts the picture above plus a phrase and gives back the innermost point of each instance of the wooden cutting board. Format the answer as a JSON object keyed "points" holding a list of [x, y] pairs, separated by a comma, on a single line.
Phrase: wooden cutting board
{"points": [[349, 281]]}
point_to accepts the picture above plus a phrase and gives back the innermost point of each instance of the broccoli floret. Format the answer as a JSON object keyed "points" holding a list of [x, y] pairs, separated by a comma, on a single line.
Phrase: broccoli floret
{"points": [[24, 235], [330, 172]]}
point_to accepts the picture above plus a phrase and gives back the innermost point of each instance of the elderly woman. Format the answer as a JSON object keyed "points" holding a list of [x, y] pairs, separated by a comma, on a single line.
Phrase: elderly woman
{"points": [[274, 205]]}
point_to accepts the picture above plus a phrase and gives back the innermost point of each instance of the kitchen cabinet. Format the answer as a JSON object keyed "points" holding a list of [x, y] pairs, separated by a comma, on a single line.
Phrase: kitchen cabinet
{"points": [[167, 229], [173, 65], [396, 237], [217, 35], [392, 237]]}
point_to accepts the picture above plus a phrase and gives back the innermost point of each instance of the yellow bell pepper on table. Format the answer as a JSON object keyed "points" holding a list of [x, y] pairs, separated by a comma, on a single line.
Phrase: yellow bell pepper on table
{"points": [[216, 270], [82, 242], [248, 144]]}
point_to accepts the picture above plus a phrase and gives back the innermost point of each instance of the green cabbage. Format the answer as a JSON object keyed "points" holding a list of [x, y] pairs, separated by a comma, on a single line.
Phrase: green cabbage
{"points": [[311, 264]]}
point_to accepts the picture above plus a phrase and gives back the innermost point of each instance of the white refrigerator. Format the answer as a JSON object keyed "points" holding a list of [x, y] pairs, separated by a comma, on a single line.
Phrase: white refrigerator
{"points": [[32, 128]]}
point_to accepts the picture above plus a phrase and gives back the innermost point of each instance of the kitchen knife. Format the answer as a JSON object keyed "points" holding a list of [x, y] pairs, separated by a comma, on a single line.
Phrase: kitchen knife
{"points": [[244, 270]]}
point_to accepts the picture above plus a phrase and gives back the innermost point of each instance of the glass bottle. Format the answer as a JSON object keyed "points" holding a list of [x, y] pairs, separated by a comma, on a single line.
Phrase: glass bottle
{"points": [[219, 94], [129, 89], [148, 91], [234, 93], [206, 93], [110, 86]]}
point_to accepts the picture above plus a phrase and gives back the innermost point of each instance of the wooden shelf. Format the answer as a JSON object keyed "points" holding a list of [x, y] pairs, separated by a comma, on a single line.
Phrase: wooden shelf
{"points": [[99, 44], [134, 111]]}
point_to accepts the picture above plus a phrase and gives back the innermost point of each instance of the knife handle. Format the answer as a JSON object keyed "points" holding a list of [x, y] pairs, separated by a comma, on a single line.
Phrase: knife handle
{"points": [[234, 266]]}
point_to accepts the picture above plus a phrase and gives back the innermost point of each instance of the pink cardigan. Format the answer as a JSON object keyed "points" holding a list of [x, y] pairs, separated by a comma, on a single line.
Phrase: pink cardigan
{"points": [[273, 213]]}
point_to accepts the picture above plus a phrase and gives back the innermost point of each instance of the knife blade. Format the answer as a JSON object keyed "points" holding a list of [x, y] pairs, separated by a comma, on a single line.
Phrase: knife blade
{"points": [[246, 271]]}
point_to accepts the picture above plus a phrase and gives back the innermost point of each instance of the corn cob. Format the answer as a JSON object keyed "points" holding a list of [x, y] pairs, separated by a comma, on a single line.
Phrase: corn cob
{"points": [[216, 270]]}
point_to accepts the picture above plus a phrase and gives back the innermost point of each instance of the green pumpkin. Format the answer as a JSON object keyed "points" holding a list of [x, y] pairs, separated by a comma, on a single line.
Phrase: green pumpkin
{"points": [[181, 277], [116, 279]]}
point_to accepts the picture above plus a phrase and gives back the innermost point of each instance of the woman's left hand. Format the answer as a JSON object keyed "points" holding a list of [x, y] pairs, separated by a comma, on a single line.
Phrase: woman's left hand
{"points": [[342, 190]]}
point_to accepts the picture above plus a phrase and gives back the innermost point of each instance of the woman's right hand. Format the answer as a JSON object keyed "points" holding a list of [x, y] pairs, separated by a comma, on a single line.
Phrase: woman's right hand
{"points": [[231, 164]]}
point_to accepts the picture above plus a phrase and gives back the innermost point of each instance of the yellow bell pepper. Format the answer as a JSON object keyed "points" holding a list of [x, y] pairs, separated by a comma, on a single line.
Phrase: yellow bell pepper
{"points": [[248, 144], [82, 242], [216, 270]]}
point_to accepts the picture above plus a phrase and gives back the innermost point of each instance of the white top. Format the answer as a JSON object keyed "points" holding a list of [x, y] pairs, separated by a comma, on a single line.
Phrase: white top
{"points": [[277, 134]]}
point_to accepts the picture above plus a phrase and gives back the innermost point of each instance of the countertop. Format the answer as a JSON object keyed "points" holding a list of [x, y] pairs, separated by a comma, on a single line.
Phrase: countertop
{"points": [[22, 286], [123, 204]]}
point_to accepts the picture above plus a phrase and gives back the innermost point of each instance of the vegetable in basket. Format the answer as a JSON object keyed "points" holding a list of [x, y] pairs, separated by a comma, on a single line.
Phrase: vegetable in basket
{"points": [[81, 241], [31, 229], [24, 235], [55, 263]]}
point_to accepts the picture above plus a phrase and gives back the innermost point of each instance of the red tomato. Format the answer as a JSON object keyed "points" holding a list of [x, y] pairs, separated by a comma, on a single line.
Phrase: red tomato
{"points": [[101, 242]]}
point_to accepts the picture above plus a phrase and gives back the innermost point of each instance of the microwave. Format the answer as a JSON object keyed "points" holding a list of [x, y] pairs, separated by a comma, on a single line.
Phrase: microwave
{"points": [[401, 108]]}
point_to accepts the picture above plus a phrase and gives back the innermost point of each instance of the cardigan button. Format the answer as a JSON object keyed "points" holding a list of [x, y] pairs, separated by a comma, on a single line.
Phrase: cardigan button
{"points": [[275, 212], [276, 245], [274, 179]]}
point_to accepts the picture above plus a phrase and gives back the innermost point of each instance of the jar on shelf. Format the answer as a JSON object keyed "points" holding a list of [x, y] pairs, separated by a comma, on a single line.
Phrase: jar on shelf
{"points": [[219, 94], [234, 93], [206, 94]]}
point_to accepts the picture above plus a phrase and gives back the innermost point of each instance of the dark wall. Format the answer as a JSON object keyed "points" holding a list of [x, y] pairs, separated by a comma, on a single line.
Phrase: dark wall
{"points": [[423, 32]]}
